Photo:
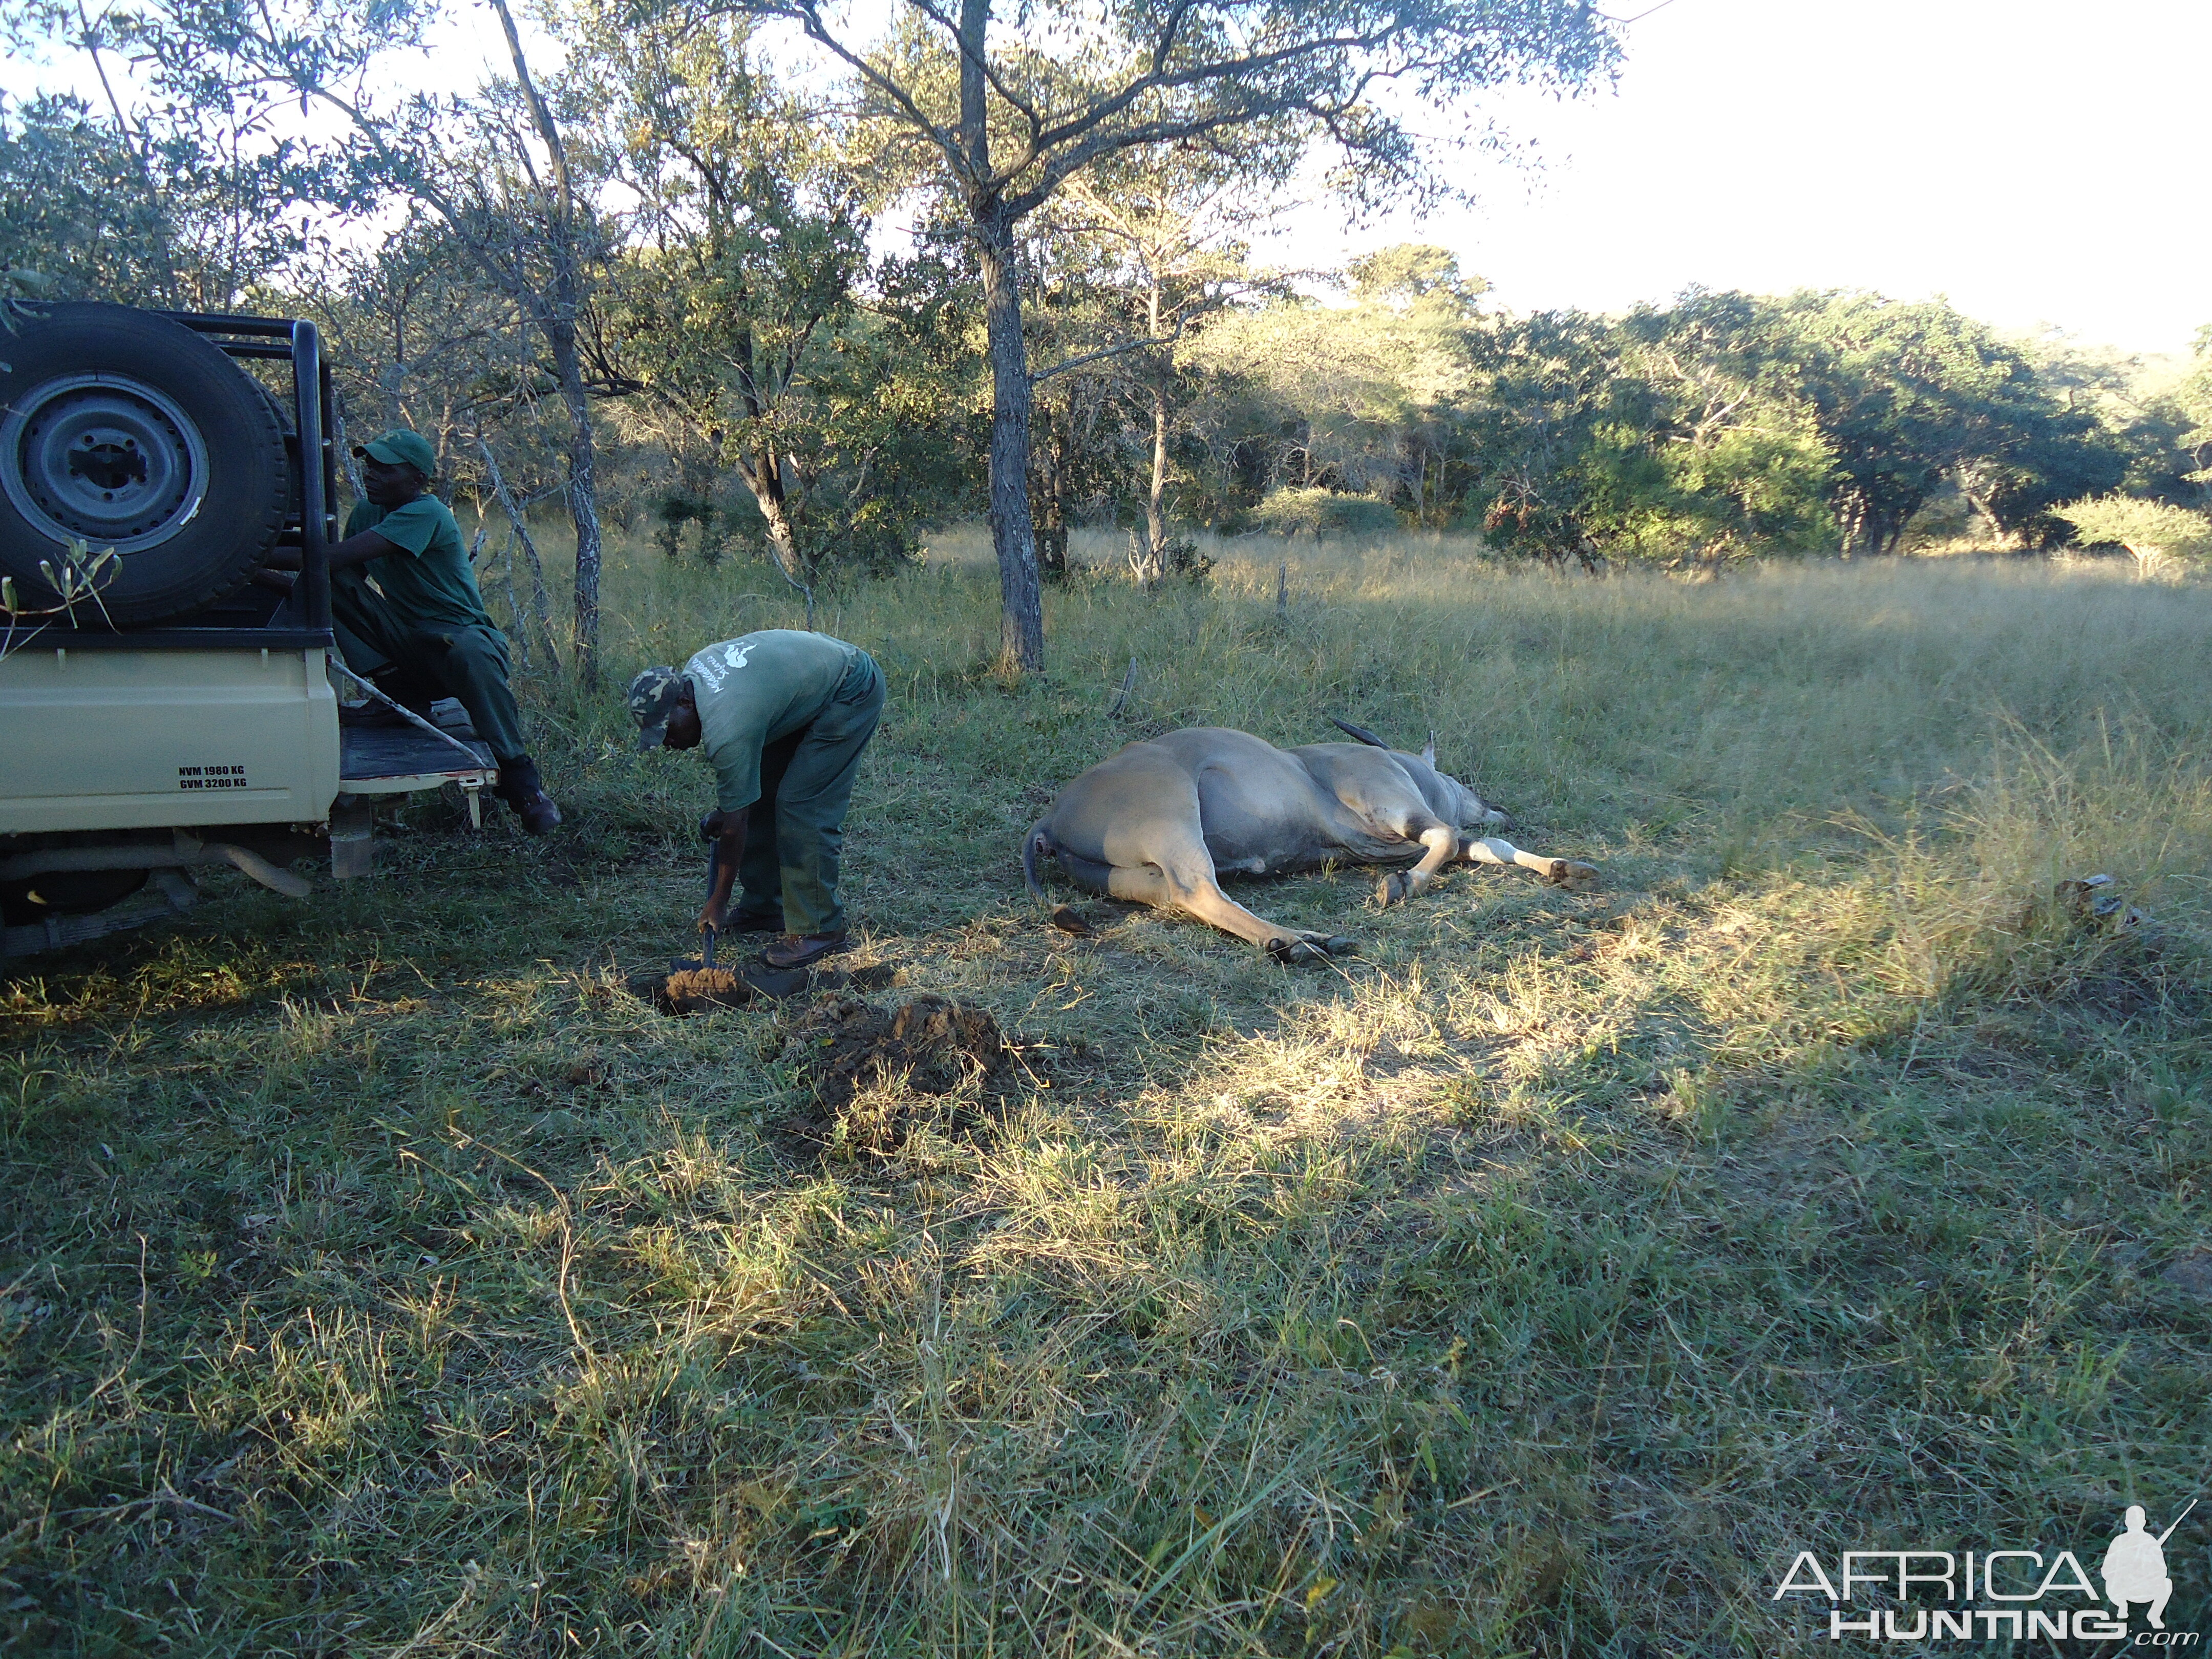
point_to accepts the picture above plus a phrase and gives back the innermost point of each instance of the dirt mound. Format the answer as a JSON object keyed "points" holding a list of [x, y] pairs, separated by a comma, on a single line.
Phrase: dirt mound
{"points": [[878, 1070]]}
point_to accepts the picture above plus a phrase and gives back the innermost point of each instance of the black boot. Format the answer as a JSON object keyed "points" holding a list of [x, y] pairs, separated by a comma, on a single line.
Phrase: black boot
{"points": [[520, 788]]}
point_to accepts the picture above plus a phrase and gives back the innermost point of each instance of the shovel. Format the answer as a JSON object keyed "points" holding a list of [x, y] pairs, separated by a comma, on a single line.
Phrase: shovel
{"points": [[745, 981], [705, 960]]}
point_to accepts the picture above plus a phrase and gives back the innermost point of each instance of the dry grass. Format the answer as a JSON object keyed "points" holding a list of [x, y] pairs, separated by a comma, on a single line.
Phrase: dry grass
{"points": [[379, 1276]]}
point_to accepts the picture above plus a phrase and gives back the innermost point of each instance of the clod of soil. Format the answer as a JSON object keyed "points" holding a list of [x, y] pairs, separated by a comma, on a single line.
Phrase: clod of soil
{"points": [[689, 988], [2191, 1275], [933, 1043], [877, 1070]]}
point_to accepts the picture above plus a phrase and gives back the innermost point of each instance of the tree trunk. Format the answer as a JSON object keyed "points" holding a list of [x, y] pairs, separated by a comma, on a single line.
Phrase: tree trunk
{"points": [[1156, 511], [1156, 517], [1013, 533], [1052, 521], [764, 477], [583, 497], [1853, 521]]}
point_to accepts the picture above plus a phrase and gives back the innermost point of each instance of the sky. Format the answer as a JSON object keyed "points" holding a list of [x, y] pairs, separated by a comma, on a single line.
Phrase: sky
{"points": [[2040, 162]]}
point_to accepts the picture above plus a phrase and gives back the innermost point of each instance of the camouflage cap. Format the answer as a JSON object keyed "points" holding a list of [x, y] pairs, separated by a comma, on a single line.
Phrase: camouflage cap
{"points": [[654, 695], [401, 447]]}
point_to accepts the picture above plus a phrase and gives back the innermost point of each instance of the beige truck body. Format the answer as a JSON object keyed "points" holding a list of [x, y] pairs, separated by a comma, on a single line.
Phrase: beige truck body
{"points": [[166, 760], [121, 739]]}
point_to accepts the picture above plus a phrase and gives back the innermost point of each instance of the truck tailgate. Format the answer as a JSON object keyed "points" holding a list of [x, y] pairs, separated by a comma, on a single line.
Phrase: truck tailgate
{"points": [[108, 739]]}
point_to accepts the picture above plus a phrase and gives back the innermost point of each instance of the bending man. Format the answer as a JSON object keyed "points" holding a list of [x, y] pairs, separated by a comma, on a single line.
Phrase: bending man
{"points": [[783, 717]]}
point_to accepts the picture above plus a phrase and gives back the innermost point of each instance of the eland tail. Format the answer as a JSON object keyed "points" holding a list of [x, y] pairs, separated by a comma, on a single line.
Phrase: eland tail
{"points": [[1358, 731], [1035, 845]]}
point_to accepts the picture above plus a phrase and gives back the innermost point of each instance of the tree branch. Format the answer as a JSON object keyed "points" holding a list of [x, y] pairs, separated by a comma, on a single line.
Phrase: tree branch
{"points": [[1121, 350]]}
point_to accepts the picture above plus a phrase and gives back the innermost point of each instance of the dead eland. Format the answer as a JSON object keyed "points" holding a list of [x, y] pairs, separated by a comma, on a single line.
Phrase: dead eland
{"points": [[1161, 820]]}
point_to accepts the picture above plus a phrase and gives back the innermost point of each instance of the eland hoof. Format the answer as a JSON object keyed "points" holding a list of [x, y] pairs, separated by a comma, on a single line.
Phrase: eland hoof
{"points": [[1576, 877], [1340, 945], [1290, 951], [1392, 890]]}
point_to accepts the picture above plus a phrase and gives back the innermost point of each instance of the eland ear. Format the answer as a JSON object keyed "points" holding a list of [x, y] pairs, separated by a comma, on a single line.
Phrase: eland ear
{"points": [[1429, 753]]}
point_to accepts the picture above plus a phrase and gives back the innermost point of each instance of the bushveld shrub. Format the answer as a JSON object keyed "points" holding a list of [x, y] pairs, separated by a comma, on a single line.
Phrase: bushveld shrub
{"points": [[1319, 512], [2153, 531]]}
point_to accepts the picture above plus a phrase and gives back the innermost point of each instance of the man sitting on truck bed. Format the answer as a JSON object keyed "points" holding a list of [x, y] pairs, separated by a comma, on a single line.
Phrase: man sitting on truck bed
{"points": [[428, 634]]}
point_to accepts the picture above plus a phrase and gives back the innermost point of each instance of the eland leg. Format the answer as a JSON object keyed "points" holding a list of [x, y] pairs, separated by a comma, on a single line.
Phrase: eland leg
{"points": [[1438, 844], [1558, 872], [1199, 893], [1182, 877]]}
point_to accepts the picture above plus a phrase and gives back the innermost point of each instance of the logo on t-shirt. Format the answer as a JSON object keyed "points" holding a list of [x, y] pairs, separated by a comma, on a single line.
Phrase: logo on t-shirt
{"points": [[716, 660]]}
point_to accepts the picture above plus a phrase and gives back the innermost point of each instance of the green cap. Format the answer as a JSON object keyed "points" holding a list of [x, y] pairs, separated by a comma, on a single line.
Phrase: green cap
{"points": [[400, 446], [654, 695]]}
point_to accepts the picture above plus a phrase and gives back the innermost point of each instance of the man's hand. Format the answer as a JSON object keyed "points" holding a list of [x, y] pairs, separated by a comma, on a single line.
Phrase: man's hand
{"points": [[727, 832]]}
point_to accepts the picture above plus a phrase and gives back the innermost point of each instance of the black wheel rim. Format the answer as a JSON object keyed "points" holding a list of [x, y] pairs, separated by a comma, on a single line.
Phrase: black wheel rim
{"points": [[104, 458]]}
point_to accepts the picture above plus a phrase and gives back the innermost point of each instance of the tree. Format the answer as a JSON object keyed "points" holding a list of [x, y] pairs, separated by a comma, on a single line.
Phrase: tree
{"points": [[1908, 396], [999, 123], [2192, 399], [2153, 531], [496, 169], [77, 220], [184, 195], [737, 310], [1355, 399], [417, 337], [1167, 230]]}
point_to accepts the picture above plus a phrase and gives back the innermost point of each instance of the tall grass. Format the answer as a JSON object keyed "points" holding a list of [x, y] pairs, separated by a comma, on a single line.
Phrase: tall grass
{"points": [[380, 1276]]}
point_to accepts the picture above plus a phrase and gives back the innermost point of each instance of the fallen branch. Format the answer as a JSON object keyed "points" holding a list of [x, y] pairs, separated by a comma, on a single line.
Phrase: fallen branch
{"points": [[1129, 684]]}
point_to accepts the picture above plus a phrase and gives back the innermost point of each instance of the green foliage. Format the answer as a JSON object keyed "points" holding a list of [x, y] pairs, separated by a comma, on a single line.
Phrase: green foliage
{"points": [[1723, 426], [690, 282], [1320, 513], [1407, 273], [171, 205], [2152, 530], [76, 219], [738, 319]]}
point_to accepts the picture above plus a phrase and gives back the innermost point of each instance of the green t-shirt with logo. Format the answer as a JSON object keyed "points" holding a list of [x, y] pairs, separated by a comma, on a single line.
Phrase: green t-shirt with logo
{"points": [[752, 690], [428, 582]]}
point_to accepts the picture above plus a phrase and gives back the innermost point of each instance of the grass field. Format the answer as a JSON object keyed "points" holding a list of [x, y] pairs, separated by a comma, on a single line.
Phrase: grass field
{"points": [[378, 1276]]}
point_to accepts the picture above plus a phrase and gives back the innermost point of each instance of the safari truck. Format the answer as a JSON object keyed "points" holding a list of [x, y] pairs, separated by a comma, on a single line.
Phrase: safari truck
{"points": [[161, 710]]}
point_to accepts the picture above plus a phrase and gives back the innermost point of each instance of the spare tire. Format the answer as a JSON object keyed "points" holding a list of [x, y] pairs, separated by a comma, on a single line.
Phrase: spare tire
{"points": [[123, 429]]}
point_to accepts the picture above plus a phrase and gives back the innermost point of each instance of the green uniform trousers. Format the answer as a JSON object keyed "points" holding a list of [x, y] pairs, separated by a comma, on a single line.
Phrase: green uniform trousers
{"points": [[795, 832], [468, 664]]}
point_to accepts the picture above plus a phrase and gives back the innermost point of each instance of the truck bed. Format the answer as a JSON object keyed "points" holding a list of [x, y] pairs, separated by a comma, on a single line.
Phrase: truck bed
{"points": [[393, 760]]}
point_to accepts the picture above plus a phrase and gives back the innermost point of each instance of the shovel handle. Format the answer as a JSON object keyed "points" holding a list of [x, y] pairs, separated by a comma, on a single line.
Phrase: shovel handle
{"points": [[713, 874]]}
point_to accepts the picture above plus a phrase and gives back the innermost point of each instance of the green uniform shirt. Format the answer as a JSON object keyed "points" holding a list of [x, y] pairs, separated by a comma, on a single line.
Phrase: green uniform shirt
{"points": [[752, 690], [428, 582]]}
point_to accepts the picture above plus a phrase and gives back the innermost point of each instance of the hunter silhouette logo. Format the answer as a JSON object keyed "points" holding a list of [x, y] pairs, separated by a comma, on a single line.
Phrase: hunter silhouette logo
{"points": [[2134, 1567], [1994, 1595]]}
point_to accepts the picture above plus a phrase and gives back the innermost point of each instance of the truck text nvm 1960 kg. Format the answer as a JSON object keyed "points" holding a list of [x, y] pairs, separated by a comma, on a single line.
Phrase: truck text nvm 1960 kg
{"points": [[161, 711]]}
